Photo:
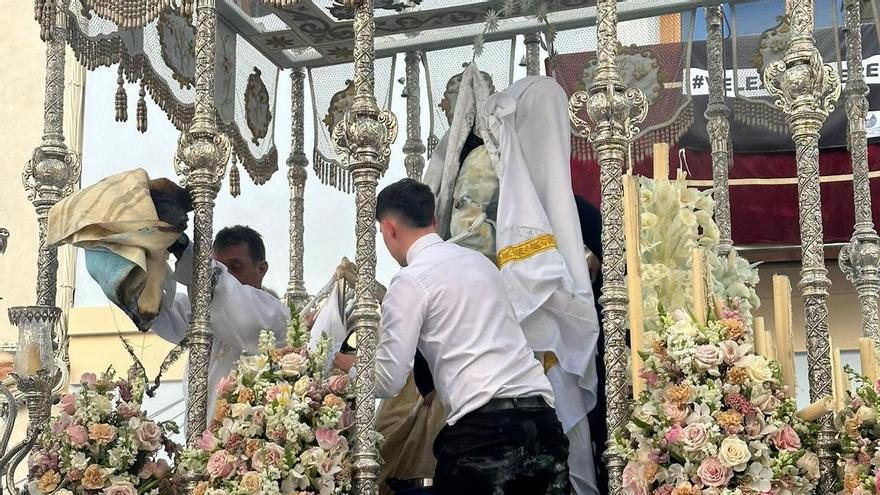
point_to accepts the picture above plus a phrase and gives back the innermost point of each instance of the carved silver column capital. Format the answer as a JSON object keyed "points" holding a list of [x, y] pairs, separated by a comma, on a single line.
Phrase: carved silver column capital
{"points": [[362, 141], [414, 148], [296, 178], [860, 259], [807, 90], [53, 171], [718, 128], [202, 154], [615, 111]]}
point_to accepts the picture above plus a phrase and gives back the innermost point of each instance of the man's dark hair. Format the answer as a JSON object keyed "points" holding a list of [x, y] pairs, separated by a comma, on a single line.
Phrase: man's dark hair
{"points": [[241, 234], [408, 199]]}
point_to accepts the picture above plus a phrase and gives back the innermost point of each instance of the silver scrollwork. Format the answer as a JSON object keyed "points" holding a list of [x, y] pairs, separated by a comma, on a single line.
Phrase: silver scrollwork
{"points": [[806, 90], [615, 111], [296, 176], [860, 259], [718, 128], [362, 141], [202, 154], [414, 148]]}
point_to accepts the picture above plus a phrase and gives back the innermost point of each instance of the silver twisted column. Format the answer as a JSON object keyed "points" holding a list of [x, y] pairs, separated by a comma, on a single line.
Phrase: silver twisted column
{"points": [[533, 54], [414, 148], [615, 110], [54, 170], [860, 259], [718, 127], [806, 90], [296, 178], [202, 154], [362, 141]]}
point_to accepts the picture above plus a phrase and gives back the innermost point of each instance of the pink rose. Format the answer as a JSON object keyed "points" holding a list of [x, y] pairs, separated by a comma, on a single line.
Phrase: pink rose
{"points": [[221, 464], [650, 377], [327, 438], [293, 364], [634, 483], [68, 403], [695, 437], [274, 454], [120, 488], [226, 385], [337, 384], [730, 351], [787, 439], [148, 436], [713, 473], [59, 425], [675, 413], [126, 410], [208, 442], [77, 435], [674, 434], [88, 379], [708, 357]]}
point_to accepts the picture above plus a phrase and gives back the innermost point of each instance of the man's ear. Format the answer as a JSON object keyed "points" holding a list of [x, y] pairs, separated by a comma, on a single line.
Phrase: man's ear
{"points": [[263, 267], [390, 228]]}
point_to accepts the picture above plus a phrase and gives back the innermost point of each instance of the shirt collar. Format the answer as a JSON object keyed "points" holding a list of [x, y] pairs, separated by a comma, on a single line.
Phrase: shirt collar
{"points": [[421, 244]]}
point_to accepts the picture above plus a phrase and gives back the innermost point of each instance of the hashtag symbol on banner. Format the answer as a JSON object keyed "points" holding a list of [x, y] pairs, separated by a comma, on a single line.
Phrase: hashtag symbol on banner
{"points": [[698, 81]]}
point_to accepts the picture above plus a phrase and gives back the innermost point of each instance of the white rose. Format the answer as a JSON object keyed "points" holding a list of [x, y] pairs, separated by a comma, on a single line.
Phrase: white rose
{"points": [[708, 357], [809, 463], [103, 404], [239, 410], [79, 461], [866, 414], [251, 482], [695, 437], [756, 368], [734, 453], [730, 350]]}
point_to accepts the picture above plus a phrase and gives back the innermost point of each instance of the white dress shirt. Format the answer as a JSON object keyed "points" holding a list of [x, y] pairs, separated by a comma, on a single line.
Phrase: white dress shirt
{"points": [[450, 302], [238, 314]]}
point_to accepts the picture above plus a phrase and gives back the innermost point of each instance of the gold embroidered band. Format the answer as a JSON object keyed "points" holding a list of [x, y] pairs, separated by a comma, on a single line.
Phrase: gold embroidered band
{"points": [[527, 249], [550, 361]]}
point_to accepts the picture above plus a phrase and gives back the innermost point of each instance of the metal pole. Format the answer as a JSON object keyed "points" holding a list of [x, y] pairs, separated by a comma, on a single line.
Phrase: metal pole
{"points": [[718, 127], [296, 178], [414, 148], [533, 54], [202, 154], [54, 170], [860, 259], [362, 141], [807, 90], [614, 110]]}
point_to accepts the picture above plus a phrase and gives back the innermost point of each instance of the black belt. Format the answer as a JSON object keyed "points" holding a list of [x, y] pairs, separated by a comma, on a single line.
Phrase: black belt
{"points": [[504, 404]]}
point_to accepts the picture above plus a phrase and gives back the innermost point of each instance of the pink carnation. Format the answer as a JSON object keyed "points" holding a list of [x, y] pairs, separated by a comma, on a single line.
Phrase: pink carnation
{"points": [[337, 384], [674, 434], [327, 438], [88, 379], [226, 385]]}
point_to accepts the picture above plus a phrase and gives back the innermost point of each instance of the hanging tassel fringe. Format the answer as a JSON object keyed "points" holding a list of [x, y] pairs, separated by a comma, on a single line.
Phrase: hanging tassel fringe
{"points": [[121, 98], [234, 179], [142, 110]]}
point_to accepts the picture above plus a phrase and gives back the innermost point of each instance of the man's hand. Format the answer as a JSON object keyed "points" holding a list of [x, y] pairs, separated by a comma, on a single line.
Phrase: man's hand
{"points": [[595, 266], [343, 362]]}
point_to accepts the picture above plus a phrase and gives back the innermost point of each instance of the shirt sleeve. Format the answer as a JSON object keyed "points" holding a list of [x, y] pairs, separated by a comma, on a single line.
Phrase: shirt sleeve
{"points": [[240, 312], [172, 322], [403, 312]]}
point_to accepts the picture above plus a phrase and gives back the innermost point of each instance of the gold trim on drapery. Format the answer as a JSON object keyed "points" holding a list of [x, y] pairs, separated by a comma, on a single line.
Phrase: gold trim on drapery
{"points": [[526, 249]]}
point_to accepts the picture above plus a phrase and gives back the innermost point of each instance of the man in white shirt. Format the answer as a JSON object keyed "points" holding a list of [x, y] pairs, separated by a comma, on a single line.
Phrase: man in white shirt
{"points": [[241, 308], [450, 303]]}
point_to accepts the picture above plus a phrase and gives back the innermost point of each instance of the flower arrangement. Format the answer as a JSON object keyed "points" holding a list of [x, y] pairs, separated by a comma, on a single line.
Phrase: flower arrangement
{"points": [[860, 438], [103, 442], [714, 418], [675, 219], [280, 425]]}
